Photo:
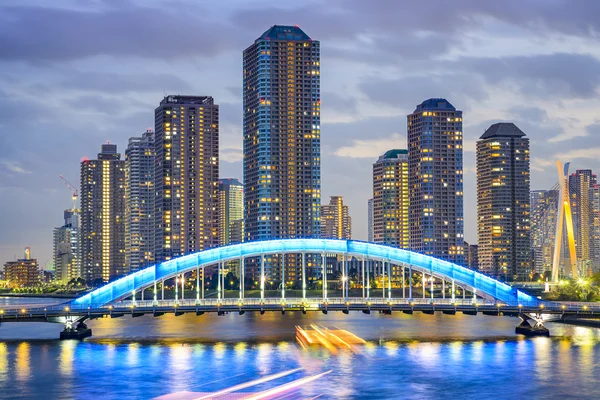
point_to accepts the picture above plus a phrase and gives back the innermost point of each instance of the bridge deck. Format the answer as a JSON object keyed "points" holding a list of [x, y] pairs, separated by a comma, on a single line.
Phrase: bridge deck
{"points": [[160, 307]]}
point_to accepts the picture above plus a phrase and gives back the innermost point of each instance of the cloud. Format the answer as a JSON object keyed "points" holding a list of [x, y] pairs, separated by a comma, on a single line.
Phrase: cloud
{"points": [[372, 148], [230, 155], [14, 167]]}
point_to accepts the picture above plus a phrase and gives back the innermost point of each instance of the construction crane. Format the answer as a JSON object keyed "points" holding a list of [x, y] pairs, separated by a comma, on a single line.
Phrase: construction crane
{"points": [[74, 191]]}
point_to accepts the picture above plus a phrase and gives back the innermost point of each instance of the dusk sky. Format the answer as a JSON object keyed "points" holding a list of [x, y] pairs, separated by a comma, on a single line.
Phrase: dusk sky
{"points": [[76, 73]]}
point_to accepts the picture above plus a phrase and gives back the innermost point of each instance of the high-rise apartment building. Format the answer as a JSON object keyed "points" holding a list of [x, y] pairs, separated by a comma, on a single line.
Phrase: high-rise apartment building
{"points": [[67, 262], [370, 227], [503, 213], [581, 195], [103, 216], [139, 201], [435, 165], [282, 135], [390, 199], [231, 211], [335, 219], [543, 205], [282, 141], [186, 179]]}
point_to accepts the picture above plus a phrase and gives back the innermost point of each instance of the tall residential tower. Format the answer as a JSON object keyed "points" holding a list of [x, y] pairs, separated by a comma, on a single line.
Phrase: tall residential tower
{"points": [[503, 214], [282, 135], [186, 142], [390, 199], [103, 216], [335, 219], [139, 201], [231, 211], [435, 165]]}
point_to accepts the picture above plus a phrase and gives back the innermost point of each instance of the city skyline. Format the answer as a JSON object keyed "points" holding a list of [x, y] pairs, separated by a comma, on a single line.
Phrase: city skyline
{"points": [[35, 179]]}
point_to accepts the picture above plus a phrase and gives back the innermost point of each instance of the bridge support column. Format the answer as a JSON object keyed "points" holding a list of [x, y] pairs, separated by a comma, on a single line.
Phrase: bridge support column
{"points": [[133, 298], [464, 292], [303, 275], [368, 279], [362, 277], [162, 289], [474, 295], [283, 276], [176, 289], [431, 287], [241, 278], [155, 297], [262, 276], [203, 284], [389, 266], [403, 283], [410, 281], [443, 288], [219, 291], [197, 285], [453, 290], [344, 276], [383, 280], [423, 285], [142, 291], [324, 276], [183, 286]]}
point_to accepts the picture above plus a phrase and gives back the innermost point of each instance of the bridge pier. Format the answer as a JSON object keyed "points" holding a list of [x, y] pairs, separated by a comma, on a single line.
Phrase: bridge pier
{"points": [[80, 332], [537, 329]]}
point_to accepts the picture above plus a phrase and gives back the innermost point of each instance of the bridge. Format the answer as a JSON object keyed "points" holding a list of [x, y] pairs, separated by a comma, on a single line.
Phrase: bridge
{"points": [[452, 288]]}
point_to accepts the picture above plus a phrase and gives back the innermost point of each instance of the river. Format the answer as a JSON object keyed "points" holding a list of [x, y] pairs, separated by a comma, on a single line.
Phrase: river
{"points": [[409, 357]]}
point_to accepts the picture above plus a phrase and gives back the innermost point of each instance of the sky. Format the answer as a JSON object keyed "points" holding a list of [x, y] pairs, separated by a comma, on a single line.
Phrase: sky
{"points": [[77, 73]]}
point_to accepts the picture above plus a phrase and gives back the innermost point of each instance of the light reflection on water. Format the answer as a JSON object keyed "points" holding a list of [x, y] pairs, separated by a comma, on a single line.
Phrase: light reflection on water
{"points": [[419, 356]]}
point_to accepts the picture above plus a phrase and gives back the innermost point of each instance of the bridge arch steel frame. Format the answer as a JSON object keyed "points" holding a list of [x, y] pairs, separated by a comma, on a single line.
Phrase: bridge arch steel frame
{"points": [[463, 277]]}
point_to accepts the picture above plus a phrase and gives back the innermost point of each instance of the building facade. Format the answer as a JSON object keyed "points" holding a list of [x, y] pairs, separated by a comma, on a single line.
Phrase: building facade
{"points": [[231, 211], [543, 205], [23, 272], [66, 255], [581, 195], [335, 219], [282, 140], [503, 213], [103, 216], [390, 199], [139, 201], [186, 175], [471, 256], [435, 165], [370, 233]]}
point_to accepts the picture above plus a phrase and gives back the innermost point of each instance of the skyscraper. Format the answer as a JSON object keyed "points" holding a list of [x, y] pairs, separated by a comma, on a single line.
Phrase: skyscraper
{"points": [[282, 141], [435, 165], [581, 195], [282, 135], [335, 219], [231, 211], [186, 141], [67, 262], [390, 199], [543, 205], [139, 201], [503, 211], [103, 216], [370, 227]]}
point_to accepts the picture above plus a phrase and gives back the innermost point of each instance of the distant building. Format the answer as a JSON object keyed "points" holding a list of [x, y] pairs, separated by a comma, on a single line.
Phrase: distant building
{"points": [[67, 248], [103, 216], [581, 194], [390, 199], [139, 201], [23, 272], [471, 257], [231, 211], [595, 246], [543, 205], [503, 211], [370, 233], [335, 219], [186, 175], [435, 158]]}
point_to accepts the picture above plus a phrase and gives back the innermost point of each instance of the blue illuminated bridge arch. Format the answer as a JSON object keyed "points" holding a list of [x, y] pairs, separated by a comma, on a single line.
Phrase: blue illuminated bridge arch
{"points": [[483, 285]]}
